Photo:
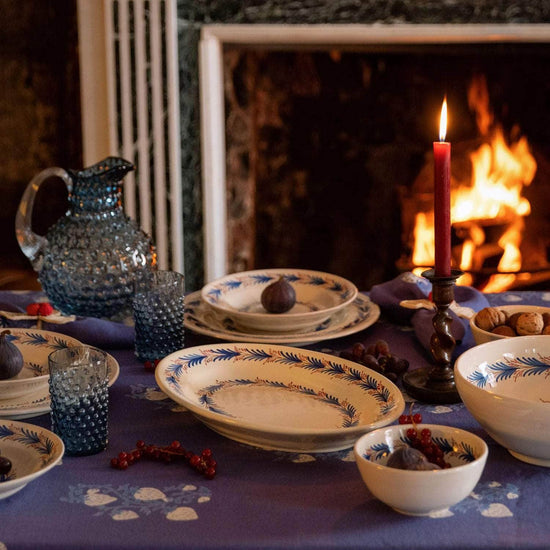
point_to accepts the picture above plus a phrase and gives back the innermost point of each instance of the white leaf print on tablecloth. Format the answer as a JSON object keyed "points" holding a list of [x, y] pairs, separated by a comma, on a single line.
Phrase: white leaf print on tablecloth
{"points": [[126, 502], [183, 513]]}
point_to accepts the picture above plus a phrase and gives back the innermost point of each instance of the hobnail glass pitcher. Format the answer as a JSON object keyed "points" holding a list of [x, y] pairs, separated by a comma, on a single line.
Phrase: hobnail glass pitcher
{"points": [[88, 260]]}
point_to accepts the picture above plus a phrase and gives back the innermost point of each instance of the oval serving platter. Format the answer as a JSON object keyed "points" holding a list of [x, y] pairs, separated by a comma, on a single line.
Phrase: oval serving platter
{"points": [[279, 397]]}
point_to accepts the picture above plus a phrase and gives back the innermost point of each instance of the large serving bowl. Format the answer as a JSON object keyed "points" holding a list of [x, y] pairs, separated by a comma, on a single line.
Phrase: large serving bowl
{"points": [[505, 386], [318, 296], [481, 336], [424, 492]]}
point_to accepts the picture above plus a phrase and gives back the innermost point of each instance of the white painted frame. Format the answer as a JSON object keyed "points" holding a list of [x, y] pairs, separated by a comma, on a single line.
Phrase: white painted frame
{"points": [[213, 37]]}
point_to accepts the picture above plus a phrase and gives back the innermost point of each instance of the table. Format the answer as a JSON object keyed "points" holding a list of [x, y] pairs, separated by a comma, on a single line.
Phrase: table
{"points": [[260, 499]]}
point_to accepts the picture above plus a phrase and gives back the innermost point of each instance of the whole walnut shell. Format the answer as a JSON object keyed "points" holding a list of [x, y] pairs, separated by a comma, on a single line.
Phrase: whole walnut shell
{"points": [[489, 318], [529, 323], [504, 330], [513, 319]]}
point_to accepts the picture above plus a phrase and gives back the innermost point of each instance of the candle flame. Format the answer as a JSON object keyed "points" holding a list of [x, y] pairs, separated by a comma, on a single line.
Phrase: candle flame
{"points": [[443, 121]]}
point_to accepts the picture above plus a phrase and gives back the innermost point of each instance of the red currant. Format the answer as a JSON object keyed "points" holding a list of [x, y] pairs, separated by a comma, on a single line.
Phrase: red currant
{"points": [[404, 419]]}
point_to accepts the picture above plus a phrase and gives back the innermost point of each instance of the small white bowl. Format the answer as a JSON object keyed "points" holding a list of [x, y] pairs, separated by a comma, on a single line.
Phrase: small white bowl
{"points": [[504, 385], [32, 451], [318, 296], [425, 492], [481, 336], [35, 345]]}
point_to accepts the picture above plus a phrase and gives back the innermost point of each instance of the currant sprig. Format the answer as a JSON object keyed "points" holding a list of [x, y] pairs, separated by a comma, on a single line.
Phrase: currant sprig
{"points": [[203, 463]]}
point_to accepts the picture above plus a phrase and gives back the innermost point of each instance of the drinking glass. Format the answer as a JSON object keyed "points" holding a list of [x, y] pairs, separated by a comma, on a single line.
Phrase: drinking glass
{"points": [[158, 314], [79, 398]]}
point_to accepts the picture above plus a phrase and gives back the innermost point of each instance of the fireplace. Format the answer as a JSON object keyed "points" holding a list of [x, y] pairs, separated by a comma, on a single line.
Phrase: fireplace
{"points": [[328, 135]]}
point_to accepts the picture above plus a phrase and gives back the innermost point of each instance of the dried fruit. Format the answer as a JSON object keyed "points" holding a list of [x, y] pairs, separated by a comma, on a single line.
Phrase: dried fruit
{"points": [[11, 359], [5, 466], [278, 297], [407, 458]]}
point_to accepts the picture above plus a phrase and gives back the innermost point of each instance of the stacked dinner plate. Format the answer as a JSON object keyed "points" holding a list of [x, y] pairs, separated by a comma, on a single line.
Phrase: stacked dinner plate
{"points": [[27, 394], [327, 306]]}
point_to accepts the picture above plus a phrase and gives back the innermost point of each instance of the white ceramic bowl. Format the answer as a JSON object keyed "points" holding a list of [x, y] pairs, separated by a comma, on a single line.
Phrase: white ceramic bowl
{"points": [[32, 450], [421, 493], [35, 345], [505, 386], [318, 296], [481, 336]]}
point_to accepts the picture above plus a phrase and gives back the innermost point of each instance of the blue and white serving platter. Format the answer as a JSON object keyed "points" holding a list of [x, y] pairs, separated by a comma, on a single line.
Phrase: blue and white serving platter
{"points": [[202, 319], [35, 345], [279, 397], [32, 451], [38, 402], [319, 295]]}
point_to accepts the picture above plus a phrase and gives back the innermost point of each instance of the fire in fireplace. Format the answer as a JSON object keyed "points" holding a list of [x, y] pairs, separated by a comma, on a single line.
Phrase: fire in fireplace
{"points": [[329, 159], [489, 211]]}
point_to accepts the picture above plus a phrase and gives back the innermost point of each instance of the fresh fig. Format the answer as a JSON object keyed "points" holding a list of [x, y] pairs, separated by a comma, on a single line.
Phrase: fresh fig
{"points": [[408, 458], [5, 466], [278, 297], [11, 359]]}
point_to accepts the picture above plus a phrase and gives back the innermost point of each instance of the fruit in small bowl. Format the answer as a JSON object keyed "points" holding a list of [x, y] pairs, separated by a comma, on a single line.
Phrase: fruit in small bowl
{"points": [[504, 385], [421, 492], [498, 323]]}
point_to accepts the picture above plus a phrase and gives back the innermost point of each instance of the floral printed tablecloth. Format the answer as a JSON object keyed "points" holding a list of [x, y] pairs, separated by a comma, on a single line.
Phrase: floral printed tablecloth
{"points": [[259, 499]]}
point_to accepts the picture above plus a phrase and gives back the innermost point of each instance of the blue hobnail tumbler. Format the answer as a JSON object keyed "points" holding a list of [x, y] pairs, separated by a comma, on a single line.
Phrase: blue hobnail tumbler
{"points": [[79, 396], [158, 315]]}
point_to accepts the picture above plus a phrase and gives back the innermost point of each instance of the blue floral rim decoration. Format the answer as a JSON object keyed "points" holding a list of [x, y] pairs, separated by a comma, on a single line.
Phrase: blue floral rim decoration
{"points": [[327, 366], [510, 368], [244, 281], [42, 444], [463, 451]]}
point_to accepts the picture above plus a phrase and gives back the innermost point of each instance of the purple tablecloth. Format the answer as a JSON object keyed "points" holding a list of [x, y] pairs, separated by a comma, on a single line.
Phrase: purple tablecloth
{"points": [[259, 499]]}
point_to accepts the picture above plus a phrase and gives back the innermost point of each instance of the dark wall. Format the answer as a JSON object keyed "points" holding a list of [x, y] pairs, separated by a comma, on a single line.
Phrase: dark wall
{"points": [[39, 110]]}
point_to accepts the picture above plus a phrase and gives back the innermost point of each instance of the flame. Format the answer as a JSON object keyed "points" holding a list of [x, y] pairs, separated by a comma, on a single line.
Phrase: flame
{"points": [[443, 121], [500, 172]]}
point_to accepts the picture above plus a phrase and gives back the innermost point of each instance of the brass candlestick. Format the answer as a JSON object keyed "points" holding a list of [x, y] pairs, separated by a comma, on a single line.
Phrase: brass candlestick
{"points": [[436, 384]]}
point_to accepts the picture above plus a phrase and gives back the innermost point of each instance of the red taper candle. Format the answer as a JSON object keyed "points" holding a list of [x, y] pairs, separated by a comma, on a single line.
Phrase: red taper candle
{"points": [[442, 199]]}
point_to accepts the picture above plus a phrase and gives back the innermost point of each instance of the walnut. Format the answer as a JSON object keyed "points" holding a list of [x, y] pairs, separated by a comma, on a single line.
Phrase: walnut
{"points": [[490, 317], [529, 323], [513, 319], [504, 330]]}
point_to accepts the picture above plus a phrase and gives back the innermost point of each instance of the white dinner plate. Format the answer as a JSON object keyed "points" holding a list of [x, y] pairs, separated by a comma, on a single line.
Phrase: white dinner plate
{"points": [[202, 319], [279, 397], [32, 451], [35, 345], [37, 403]]}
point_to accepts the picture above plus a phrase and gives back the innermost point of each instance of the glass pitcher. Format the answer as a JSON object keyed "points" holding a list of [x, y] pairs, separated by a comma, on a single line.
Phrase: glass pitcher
{"points": [[88, 260]]}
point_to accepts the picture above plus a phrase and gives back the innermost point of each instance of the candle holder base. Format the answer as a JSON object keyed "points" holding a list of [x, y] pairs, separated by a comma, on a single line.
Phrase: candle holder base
{"points": [[436, 384], [418, 384]]}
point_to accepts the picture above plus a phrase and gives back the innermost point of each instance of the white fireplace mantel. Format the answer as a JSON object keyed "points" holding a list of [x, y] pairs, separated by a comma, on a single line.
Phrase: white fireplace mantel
{"points": [[213, 38]]}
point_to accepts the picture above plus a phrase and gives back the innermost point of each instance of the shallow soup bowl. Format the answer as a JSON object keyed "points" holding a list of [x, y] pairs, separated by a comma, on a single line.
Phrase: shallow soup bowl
{"points": [[505, 386]]}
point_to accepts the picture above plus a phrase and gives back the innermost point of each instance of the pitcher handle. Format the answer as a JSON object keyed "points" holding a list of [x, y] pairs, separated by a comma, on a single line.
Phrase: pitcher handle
{"points": [[31, 243]]}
